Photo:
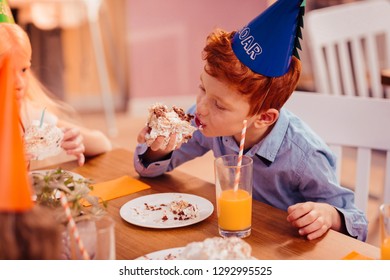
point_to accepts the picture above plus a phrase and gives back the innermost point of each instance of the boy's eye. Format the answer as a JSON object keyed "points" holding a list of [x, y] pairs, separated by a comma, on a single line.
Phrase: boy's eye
{"points": [[219, 106], [24, 70], [201, 88]]}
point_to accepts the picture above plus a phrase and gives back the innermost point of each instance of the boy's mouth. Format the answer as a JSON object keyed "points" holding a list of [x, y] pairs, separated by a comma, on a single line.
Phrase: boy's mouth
{"points": [[198, 123]]}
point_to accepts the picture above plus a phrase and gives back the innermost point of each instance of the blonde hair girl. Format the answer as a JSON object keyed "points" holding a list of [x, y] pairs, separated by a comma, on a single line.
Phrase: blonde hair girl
{"points": [[32, 98]]}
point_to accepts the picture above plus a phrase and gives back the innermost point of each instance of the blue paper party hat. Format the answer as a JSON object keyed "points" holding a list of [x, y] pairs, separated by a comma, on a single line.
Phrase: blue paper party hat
{"points": [[5, 12], [268, 42]]}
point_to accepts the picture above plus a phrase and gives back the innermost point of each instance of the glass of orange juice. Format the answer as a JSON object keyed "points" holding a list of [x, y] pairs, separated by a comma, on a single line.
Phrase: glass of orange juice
{"points": [[384, 219], [234, 195]]}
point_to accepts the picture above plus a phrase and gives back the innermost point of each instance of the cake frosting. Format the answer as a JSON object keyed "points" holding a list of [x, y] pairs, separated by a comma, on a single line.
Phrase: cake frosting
{"points": [[217, 248], [183, 210], [42, 141], [163, 121]]}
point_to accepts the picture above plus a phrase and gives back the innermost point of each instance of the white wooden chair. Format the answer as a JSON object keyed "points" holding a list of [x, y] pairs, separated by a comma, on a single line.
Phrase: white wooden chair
{"points": [[343, 121], [349, 45]]}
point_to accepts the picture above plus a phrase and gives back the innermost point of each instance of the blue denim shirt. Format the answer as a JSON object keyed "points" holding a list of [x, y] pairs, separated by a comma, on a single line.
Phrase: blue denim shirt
{"points": [[291, 165]]}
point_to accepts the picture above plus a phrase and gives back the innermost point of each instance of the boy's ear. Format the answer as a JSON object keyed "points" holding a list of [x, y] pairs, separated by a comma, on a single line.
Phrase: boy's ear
{"points": [[267, 118]]}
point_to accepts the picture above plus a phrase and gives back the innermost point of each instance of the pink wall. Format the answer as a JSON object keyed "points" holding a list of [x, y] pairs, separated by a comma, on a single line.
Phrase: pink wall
{"points": [[166, 37]]}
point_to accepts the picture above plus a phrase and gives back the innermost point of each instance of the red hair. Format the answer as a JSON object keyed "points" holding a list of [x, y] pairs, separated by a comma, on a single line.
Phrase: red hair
{"points": [[223, 64]]}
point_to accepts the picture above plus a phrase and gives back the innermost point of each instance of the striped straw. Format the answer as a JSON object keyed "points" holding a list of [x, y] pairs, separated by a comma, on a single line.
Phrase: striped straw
{"points": [[73, 227], [240, 154], [42, 117]]}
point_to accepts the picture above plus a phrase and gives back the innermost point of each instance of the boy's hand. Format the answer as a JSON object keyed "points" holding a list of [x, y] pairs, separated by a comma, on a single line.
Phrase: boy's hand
{"points": [[141, 135], [158, 144], [157, 150], [313, 219]]}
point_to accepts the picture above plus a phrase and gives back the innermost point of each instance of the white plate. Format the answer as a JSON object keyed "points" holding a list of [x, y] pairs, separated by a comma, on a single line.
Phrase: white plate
{"points": [[167, 254], [135, 212]]}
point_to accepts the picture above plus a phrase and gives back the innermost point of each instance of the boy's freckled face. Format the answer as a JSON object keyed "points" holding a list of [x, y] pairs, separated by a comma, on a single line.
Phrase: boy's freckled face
{"points": [[220, 109]]}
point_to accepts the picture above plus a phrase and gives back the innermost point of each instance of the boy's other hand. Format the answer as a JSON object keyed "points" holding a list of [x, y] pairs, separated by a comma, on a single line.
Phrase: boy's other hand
{"points": [[313, 219]]}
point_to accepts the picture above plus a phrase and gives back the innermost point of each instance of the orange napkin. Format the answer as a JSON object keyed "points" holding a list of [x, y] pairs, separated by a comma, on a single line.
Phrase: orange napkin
{"points": [[116, 188], [356, 256]]}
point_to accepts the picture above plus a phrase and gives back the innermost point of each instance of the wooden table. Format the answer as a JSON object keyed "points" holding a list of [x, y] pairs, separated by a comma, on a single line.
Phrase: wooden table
{"points": [[272, 236], [385, 77]]}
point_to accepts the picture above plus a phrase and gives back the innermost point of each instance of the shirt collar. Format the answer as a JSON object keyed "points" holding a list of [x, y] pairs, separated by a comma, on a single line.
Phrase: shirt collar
{"points": [[269, 146]]}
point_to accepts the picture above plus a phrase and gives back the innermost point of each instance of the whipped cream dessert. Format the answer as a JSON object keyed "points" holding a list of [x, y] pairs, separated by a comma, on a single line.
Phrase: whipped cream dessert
{"points": [[217, 248], [43, 141], [164, 122]]}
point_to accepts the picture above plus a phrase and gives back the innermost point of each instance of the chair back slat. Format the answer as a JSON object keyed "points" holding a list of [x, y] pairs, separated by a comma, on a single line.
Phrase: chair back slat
{"points": [[374, 66], [334, 72], [357, 56], [346, 69]]}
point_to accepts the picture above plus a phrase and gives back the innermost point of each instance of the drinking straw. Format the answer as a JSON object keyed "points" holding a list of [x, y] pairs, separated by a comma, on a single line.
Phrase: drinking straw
{"points": [[73, 228], [42, 116], [241, 152]]}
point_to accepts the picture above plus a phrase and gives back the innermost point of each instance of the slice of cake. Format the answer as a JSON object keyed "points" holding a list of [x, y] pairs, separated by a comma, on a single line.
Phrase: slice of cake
{"points": [[217, 248], [164, 122]]}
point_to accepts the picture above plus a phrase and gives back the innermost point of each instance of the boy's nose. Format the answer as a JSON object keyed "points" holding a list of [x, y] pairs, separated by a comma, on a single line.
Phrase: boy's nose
{"points": [[201, 107]]}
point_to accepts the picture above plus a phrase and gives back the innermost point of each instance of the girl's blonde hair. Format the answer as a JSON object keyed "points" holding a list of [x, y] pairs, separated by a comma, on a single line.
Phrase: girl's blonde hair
{"points": [[15, 44]]}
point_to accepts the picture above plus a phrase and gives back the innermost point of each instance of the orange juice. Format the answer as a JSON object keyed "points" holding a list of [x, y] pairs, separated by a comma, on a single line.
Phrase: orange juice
{"points": [[385, 249], [234, 210]]}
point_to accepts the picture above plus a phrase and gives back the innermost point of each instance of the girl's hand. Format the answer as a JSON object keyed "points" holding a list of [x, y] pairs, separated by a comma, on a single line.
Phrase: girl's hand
{"points": [[72, 143], [29, 158]]}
